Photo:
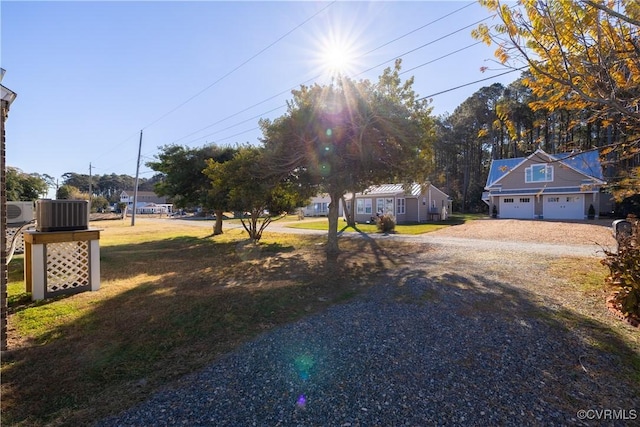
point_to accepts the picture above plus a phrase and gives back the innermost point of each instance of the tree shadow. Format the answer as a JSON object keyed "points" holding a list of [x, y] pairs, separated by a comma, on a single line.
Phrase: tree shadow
{"points": [[489, 339], [166, 308], [462, 344]]}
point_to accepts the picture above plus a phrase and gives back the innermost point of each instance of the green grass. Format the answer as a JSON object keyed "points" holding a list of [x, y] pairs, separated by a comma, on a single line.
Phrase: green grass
{"points": [[408, 229], [172, 300]]}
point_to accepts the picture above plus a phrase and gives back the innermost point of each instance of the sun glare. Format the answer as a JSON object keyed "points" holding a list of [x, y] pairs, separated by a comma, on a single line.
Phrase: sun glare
{"points": [[337, 59], [337, 54]]}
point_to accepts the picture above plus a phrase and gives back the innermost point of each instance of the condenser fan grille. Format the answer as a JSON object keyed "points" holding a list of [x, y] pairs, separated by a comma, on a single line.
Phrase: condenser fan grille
{"points": [[13, 211]]}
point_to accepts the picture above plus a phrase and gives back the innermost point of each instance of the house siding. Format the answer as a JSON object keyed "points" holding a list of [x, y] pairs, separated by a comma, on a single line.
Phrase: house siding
{"points": [[413, 207], [417, 206], [574, 176], [563, 176]]}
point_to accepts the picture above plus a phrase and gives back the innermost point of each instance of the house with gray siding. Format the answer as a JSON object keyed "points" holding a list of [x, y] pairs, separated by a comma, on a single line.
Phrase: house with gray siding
{"points": [[413, 204], [545, 186]]}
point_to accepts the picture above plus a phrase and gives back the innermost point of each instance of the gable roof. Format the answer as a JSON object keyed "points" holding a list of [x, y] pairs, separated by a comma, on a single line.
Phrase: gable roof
{"points": [[586, 163]]}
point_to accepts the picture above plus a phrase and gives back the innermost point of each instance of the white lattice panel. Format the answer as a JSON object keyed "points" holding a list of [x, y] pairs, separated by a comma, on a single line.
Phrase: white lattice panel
{"points": [[67, 266], [10, 232]]}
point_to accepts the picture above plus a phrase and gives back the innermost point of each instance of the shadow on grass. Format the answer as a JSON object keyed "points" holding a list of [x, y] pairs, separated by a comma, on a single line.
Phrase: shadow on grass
{"points": [[166, 308], [198, 299], [465, 344]]}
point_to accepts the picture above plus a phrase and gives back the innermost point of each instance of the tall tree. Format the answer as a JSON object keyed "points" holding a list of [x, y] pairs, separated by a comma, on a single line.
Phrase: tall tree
{"points": [[583, 55], [182, 178], [22, 186], [349, 135], [242, 183]]}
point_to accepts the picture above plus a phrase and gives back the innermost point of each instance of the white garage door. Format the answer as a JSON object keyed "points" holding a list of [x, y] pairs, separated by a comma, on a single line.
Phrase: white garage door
{"points": [[563, 206], [516, 207]]}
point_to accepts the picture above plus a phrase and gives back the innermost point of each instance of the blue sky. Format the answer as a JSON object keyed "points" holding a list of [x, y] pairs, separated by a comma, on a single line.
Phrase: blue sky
{"points": [[91, 75]]}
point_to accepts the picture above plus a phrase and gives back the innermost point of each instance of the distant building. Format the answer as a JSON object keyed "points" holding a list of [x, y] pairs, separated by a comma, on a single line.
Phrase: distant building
{"points": [[148, 202], [319, 206], [417, 203]]}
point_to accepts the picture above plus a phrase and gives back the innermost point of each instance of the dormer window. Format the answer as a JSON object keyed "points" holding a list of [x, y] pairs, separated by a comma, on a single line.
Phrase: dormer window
{"points": [[538, 173]]}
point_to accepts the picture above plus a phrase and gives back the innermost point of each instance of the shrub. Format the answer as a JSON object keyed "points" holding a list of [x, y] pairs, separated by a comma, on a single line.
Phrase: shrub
{"points": [[386, 223], [624, 271]]}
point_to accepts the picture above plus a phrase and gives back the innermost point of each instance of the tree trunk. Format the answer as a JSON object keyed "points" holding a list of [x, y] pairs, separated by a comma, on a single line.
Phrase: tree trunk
{"points": [[332, 237], [348, 213], [217, 228]]}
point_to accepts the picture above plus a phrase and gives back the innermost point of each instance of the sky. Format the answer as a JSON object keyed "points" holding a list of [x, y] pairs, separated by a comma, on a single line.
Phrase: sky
{"points": [[90, 76]]}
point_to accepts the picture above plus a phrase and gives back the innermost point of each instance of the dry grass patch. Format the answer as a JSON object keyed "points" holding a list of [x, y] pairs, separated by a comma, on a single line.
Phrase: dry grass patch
{"points": [[172, 300], [581, 288]]}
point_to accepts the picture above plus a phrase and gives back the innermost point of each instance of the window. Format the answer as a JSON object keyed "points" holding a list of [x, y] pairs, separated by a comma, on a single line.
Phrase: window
{"points": [[388, 206], [508, 200], [524, 200], [401, 206], [363, 206], [538, 173], [384, 206], [553, 199]]}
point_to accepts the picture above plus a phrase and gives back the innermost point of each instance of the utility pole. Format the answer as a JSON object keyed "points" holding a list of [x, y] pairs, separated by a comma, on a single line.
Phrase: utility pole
{"points": [[135, 191], [89, 214]]}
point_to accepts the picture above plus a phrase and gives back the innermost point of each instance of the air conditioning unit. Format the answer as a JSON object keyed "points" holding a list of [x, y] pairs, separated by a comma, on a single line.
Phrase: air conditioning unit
{"points": [[62, 215], [19, 212]]}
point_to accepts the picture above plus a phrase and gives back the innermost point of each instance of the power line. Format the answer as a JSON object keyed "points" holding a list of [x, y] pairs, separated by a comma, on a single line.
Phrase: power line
{"points": [[470, 83], [237, 124], [362, 72], [441, 57], [316, 77], [241, 65], [283, 106], [417, 29], [228, 74], [424, 45]]}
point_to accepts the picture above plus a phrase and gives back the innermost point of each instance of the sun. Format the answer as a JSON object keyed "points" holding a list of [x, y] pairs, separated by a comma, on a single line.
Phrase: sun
{"points": [[337, 54], [337, 59]]}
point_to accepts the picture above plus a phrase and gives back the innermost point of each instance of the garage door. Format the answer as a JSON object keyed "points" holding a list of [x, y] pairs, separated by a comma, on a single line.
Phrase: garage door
{"points": [[516, 207], [564, 206]]}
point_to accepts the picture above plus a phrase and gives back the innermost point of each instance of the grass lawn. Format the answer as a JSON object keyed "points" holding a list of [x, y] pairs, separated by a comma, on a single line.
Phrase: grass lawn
{"points": [[322, 224], [172, 299]]}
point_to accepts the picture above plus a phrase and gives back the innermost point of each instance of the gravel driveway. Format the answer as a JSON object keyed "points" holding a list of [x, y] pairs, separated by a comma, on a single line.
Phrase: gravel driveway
{"points": [[458, 337]]}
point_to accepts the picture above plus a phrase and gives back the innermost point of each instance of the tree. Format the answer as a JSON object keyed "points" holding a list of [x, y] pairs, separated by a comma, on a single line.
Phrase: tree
{"points": [[349, 135], [23, 186], [79, 181], [69, 192], [583, 56], [99, 204], [242, 182], [182, 178]]}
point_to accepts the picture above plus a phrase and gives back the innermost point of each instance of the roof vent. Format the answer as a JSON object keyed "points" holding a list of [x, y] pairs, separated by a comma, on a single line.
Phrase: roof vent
{"points": [[62, 215]]}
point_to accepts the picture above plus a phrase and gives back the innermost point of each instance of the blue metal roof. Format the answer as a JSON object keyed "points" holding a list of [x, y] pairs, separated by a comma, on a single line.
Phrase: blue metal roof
{"points": [[501, 167], [587, 163]]}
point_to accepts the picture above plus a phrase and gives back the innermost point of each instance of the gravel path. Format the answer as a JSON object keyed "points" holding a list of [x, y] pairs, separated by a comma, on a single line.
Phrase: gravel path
{"points": [[459, 337]]}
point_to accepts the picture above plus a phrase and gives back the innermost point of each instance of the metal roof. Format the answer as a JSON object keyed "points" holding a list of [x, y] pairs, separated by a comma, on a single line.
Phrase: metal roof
{"points": [[392, 189]]}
